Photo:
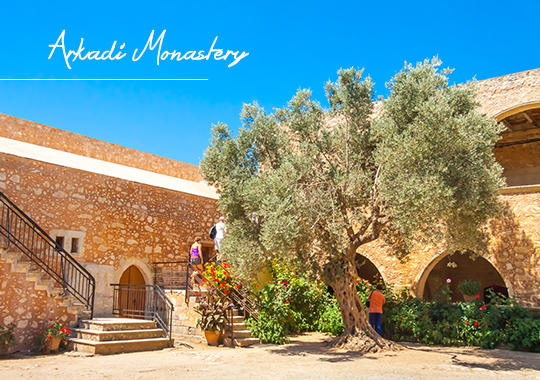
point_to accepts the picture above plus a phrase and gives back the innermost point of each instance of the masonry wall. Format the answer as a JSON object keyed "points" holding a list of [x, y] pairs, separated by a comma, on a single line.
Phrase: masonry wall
{"points": [[122, 223], [28, 308], [43, 135], [497, 95]]}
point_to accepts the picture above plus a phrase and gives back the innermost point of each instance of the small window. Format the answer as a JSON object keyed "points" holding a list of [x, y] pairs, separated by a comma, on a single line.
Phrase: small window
{"points": [[74, 245], [60, 242]]}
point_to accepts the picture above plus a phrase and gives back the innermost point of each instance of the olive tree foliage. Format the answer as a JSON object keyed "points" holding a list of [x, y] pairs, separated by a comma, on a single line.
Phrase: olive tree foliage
{"points": [[309, 185]]}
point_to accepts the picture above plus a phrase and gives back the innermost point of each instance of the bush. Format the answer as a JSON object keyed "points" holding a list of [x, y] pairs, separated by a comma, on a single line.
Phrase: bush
{"points": [[469, 287], [7, 338], [331, 321], [501, 322], [289, 305]]}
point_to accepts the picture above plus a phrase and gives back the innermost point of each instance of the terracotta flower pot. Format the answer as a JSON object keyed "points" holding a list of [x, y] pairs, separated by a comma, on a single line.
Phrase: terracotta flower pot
{"points": [[212, 337], [468, 298], [54, 343]]}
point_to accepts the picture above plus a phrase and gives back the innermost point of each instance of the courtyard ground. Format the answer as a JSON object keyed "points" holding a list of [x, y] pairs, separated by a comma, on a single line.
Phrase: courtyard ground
{"points": [[305, 357]]}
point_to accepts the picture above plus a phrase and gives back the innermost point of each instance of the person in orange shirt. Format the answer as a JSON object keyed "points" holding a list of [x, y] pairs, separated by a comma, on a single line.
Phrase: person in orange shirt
{"points": [[376, 302]]}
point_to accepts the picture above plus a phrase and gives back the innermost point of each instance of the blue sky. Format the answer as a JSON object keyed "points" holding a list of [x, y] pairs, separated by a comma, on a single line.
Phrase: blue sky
{"points": [[291, 45]]}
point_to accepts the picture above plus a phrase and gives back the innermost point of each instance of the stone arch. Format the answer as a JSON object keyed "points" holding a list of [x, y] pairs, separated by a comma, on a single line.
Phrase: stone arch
{"points": [[483, 270], [368, 270], [125, 263], [517, 151], [516, 108]]}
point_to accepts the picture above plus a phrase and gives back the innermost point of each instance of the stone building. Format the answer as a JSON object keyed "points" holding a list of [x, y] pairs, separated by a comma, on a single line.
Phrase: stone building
{"points": [[512, 263], [117, 211], [114, 209]]}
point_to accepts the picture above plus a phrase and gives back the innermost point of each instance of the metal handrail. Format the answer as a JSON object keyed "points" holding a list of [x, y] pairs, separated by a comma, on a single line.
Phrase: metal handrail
{"points": [[240, 295], [42, 250], [147, 302]]}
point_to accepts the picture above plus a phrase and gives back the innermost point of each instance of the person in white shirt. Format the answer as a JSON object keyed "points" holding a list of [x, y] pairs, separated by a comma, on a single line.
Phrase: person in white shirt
{"points": [[221, 229]]}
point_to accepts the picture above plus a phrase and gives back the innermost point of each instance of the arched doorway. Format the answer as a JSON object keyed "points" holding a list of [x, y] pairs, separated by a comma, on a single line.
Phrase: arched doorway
{"points": [[440, 276], [517, 151], [132, 299], [367, 270]]}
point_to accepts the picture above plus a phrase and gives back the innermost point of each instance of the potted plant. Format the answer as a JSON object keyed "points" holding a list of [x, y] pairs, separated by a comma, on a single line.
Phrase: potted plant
{"points": [[469, 289], [51, 335], [212, 307], [6, 338]]}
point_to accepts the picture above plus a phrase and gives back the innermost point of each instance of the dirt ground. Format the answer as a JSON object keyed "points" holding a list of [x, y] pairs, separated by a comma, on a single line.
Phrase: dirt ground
{"points": [[306, 357]]}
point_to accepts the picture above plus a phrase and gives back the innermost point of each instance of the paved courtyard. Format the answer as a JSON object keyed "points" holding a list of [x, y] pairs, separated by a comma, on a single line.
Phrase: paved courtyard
{"points": [[306, 357]]}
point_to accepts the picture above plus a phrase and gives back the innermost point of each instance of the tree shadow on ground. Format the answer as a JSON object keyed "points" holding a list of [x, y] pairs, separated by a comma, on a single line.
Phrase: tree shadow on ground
{"points": [[304, 345], [492, 360]]}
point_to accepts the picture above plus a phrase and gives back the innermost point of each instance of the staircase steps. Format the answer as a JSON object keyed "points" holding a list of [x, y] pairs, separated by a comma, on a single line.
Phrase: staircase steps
{"points": [[20, 263], [117, 335], [241, 334]]}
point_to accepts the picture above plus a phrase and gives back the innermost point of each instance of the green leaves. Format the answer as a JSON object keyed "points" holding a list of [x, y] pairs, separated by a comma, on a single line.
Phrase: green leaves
{"points": [[439, 179], [309, 185]]}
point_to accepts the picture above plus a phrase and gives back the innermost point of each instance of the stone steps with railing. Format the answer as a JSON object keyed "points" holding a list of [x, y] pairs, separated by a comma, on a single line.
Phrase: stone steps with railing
{"points": [[21, 264], [118, 335], [241, 335]]}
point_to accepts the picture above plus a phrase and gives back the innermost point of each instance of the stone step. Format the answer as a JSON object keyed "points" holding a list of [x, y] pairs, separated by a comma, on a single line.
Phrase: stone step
{"points": [[34, 275], [112, 324], [245, 342], [239, 326], [12, 256], [118, 346], [45, 284], [22, 266], [105, 336], [241, 334], [238, 318]]}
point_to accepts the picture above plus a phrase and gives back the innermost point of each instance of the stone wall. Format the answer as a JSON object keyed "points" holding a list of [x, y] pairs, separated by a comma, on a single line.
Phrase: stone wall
{"points": [[500, 94], [184, 324], [28, 308], [39, 134], [123, 223], [514, 252]]}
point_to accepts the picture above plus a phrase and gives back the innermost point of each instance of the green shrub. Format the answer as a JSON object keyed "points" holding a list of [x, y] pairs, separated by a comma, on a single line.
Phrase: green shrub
{"points": [[331, 321], [469, 287], [7, 338]]}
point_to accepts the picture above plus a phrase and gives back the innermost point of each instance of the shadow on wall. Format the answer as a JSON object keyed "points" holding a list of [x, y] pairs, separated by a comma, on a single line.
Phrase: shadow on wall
{"points": [[515, 251]]}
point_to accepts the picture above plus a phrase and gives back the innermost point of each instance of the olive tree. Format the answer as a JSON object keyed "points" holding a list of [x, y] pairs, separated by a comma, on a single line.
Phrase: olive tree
{"points": [[310, 185]]}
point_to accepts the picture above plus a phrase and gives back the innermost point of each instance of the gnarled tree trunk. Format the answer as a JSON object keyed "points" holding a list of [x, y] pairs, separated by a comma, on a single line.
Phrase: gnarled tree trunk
{"points": [[358, 335]]}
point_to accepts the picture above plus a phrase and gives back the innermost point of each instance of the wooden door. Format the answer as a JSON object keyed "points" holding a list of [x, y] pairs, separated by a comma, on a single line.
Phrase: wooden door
{"points": [[132, 299]]}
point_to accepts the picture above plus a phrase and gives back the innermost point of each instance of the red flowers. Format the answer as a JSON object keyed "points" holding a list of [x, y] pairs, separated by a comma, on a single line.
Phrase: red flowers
{"points": [[466, 323], [476, 323], [238, 286], [225, 291], [357, 281], [478, 296]]}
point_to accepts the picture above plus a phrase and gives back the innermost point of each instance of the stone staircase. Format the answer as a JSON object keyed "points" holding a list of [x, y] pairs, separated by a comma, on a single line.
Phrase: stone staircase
{"points": [[185, 319], [20, 263], [241, 334], [117, 335]]}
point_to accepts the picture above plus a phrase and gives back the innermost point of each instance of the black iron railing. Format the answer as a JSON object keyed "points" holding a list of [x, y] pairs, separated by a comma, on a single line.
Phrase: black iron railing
{"points": [[240, 294], [41, 249], [144, 302]]}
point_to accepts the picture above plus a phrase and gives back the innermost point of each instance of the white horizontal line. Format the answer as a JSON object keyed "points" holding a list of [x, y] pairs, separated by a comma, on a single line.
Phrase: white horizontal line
{"points": [[92, 79]]}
